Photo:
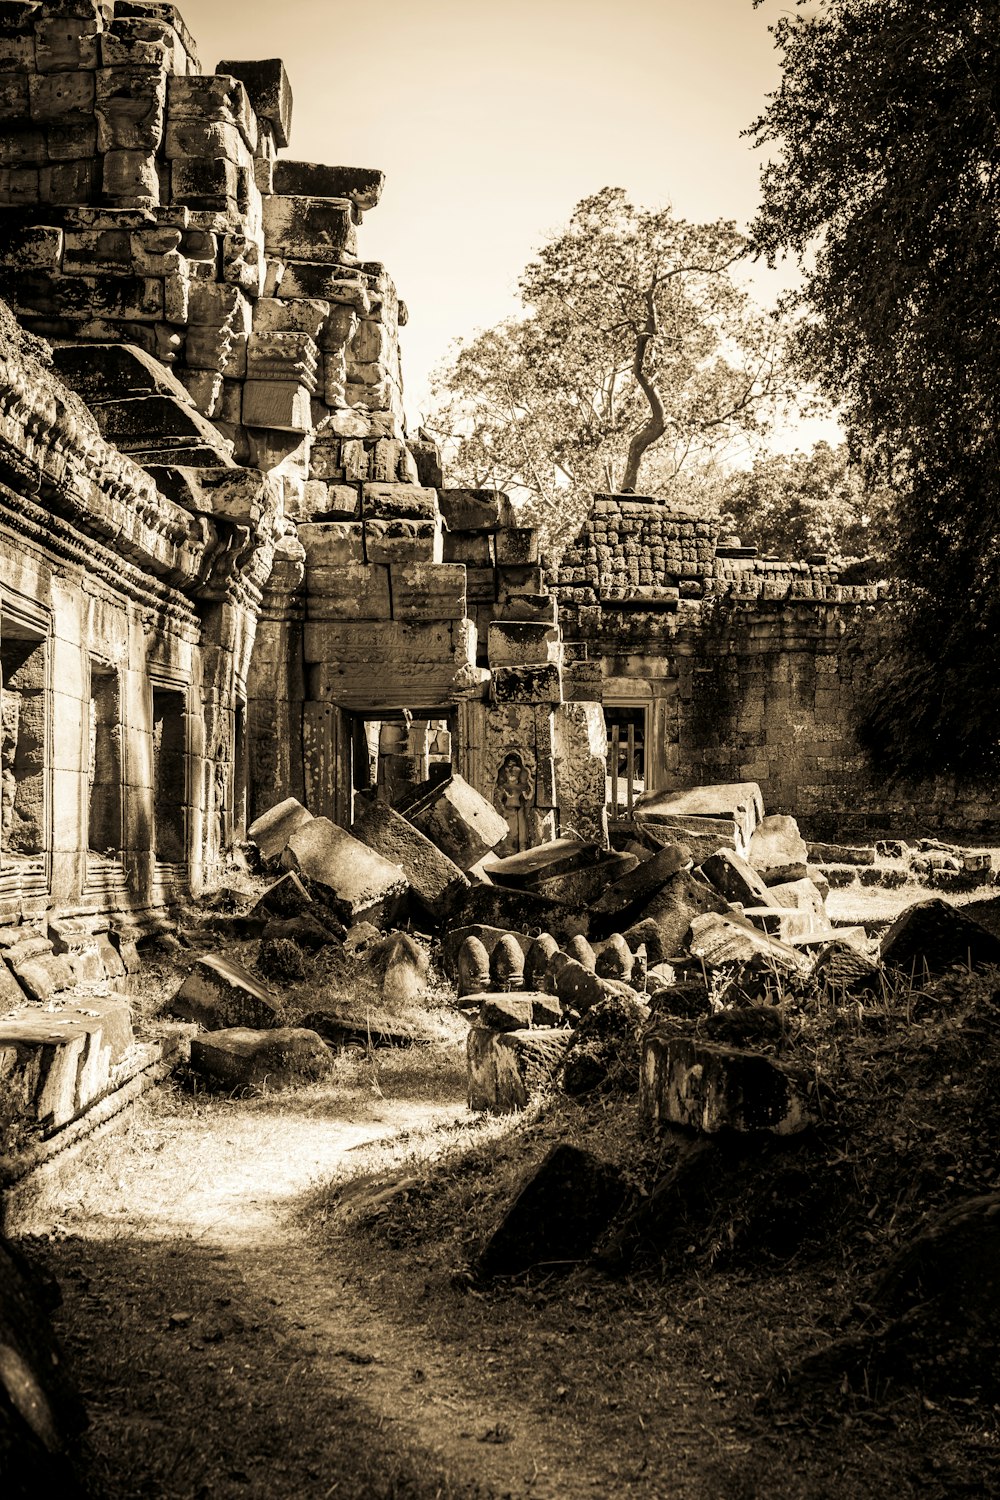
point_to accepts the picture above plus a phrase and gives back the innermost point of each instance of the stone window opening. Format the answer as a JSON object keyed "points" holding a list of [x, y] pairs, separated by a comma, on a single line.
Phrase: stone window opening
{"points": [[105, 772], [626, 776], [23, 743], [397, 750], [169, 777]]}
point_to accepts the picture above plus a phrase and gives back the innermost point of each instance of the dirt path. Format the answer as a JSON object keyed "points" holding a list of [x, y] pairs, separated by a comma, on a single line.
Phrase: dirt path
{"points": [[223, 1354]]}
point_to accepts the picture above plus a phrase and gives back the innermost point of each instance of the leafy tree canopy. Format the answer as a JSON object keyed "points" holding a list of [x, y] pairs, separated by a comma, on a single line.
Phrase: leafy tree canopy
{"points": [[794, 504], [883, 180], [637, 357]]}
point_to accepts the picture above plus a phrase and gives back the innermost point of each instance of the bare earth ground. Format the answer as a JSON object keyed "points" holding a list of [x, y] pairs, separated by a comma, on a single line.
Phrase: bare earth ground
{"points": [[268, 1297]]}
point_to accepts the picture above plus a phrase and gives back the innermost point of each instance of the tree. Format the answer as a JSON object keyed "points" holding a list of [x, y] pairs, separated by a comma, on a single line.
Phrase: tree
{"points": [[885, 185], [637, 356], [798, 503]]}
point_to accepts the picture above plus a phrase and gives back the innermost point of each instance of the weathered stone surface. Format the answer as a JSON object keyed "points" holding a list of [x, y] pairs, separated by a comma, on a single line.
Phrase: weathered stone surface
{"points": [[272, 830], [671, 911], [220, 993], [475, 510], [710, 1088], [473, 966], [287, 897], [615, 960], [362, 185], [737, 880], [719, 940], [845, 972], [732, 811], [502, 1012], [538, 957], [777, 842], [406, 969], [580, 988], [804, 895], [507, 1068], [557, 1215], [788, 922], [43, 975], [267, 1060], [840, 854], [457, 819], [56, 1061], [507, 963], [622, 901], [356, 881], [269, 92], [435, 880], [932, 936]]}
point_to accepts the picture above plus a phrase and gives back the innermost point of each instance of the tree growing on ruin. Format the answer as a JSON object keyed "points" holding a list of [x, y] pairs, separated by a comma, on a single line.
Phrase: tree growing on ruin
{"points": [[884, 182], [637, 358]]}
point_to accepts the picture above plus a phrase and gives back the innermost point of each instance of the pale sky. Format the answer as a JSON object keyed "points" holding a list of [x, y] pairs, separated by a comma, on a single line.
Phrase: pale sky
{"points": [[492, 121]]}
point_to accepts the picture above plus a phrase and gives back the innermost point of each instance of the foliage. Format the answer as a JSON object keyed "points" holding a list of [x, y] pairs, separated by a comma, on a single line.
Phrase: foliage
{"points": [[884, 183], [798, 503], [637, 356]]}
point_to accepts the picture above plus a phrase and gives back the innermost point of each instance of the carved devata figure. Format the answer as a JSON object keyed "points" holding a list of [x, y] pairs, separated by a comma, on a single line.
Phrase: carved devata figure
{"points": [[512, 798]]}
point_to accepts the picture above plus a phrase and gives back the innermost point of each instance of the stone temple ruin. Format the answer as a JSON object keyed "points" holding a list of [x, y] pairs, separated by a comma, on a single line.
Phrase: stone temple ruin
{"points": [[229, 577]]}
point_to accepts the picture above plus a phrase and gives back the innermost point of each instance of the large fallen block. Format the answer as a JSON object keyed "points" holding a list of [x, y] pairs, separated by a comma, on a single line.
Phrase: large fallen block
{"points": [[788, 922], [531, 868], [719, 941], [272, 830], [243, 1058], [709, 1088], [735, 879], [934, 935], [671, 911], [728, 813], [457, 819], [219, 994], [777, 845], [56, 1061], [507, 1068], [357, 883], [622, 901], [435, 880], [557, 1215]]}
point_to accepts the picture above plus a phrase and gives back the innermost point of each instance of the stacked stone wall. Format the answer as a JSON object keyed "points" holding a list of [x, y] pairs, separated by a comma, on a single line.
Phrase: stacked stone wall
{"points": [[748, 669]]}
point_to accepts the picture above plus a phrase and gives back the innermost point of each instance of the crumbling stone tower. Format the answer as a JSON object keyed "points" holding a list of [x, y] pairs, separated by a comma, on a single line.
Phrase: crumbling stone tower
{"points": [[301, 580]]}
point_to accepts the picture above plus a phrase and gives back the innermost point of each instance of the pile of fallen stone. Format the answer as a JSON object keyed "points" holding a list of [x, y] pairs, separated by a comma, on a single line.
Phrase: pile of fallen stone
{"points": [[348, 891]]}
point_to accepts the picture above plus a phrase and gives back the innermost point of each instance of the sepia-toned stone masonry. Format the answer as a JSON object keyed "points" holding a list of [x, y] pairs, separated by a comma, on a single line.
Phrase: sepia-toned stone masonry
{"points": [[736, 668]]}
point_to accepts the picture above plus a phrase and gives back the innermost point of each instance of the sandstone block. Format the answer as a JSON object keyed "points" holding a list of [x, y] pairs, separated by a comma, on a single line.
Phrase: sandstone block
{"points": [[719, 940], [532, 684], [348, 591], [730, 810], [131, 176], [65, 43], [435, 880], [709, 1088], [427, 591], [475, 510], [130, 105], [218, 98], [557, 1215], [358, 883], [219, 993], [399, 502], [458, 820], [243, 1058], [269, 92], [737, 880], [362, 185], [272, 830], [777, 841], [308, 229], [934, 935], [507, 1068], [58, 97]]}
